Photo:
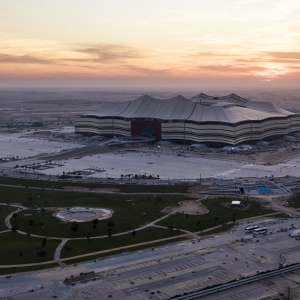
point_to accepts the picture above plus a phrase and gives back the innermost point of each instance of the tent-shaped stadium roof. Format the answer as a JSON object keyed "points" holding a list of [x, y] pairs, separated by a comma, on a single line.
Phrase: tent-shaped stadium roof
{"points": [[200, 108]]}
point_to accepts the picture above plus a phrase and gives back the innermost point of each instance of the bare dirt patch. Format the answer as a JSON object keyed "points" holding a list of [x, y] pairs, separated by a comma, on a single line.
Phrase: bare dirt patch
{"points": [[83, 189], [189, 207], [264, 259], [206, 250], [235, 244]]}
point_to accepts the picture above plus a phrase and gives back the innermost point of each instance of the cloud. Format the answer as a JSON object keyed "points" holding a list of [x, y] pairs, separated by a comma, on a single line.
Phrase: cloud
{"points": [[285, 55], [146, 71], [231, 69], [214, 54], [24, 59], [108, 53]]}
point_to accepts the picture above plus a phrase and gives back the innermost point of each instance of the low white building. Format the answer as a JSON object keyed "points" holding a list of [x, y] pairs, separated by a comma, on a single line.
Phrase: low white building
{"points": [[236, 203]]}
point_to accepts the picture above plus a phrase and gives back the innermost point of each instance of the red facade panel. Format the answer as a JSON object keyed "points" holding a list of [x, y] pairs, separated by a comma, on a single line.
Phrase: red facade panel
{"points": [[138, 126]]}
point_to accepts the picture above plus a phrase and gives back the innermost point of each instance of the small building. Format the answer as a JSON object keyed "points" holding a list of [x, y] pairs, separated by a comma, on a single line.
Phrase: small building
{"points": [[295, 233], [236, 203]]}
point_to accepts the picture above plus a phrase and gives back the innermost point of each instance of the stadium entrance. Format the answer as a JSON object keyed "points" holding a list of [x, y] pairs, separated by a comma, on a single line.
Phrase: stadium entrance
{"points": [[146, 128]]}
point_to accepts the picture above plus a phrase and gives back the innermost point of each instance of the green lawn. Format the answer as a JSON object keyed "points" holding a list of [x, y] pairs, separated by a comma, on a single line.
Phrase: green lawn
{"points": [[218, 214], [79, 247], [14, 243]]}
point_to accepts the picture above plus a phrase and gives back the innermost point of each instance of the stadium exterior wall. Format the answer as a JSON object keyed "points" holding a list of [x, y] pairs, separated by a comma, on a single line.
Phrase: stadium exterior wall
{"points": [[209, 132]]}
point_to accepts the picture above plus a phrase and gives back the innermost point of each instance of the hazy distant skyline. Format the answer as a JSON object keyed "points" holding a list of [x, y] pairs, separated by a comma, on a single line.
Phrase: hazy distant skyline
{"points": [[238, 44]]}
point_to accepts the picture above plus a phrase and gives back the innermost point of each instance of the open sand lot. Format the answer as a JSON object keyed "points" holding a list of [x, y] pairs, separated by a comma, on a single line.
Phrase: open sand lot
{"points": [[163, 163], [24, 147], [116, 163], [169, 166]]}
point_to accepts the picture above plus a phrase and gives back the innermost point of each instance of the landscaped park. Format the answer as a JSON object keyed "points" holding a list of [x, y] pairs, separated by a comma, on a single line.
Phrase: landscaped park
{"points": [[110, 220]]}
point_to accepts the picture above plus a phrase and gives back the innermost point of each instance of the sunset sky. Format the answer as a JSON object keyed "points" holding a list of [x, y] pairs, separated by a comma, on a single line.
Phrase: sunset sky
{"points": [[159, 43]]}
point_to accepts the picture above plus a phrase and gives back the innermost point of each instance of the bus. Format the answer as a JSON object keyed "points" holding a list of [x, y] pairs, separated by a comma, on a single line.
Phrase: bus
{"points": [[251, 228], [260, 230]]}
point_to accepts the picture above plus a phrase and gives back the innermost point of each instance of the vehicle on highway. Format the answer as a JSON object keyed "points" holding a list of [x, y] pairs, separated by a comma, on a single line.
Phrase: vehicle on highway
{"points": [[260, 230], [251, 228]]}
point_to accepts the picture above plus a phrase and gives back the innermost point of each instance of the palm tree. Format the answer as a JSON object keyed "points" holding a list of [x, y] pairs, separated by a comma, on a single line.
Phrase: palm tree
{"points": [[111, 224], [14, 216], [44, 242], [41, 253], [216, 219], [75, 226]]}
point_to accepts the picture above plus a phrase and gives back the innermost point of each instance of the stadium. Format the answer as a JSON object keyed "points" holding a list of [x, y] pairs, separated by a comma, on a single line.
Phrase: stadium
{"points": [[229, 120]]}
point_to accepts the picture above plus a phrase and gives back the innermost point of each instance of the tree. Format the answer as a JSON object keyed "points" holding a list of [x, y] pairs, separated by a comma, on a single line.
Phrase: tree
{"points": [[233, 219], [14, 216], [95, 222], [75, 226], [198, 223], [41, 253], [14, 228], [68, 248], [109, 232], [187, 216], [177, 231], [216, 219], [44, 242], [111, 224], [31, 222], [88, 237], [133, 233], [21, 253], [29, 198], [43, 209], [170, 227]]}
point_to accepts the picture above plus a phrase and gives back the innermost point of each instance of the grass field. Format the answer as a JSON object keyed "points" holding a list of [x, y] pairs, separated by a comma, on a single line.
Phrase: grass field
{"points": [[295, 202], [12, 270], [20, 249], [129, 212], [123, 188]]}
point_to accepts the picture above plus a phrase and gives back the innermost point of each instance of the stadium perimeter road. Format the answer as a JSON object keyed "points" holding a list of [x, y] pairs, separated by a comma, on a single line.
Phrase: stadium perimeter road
{"points": [[163, 272]]}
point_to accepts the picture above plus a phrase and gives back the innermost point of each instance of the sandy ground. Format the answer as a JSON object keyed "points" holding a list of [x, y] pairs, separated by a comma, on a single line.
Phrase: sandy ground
{"points": [[189, 207]]}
